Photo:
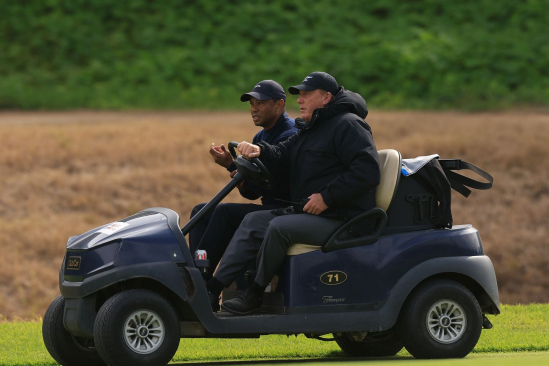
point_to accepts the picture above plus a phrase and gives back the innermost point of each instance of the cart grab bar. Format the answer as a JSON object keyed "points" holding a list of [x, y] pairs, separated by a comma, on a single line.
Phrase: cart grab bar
{"points": [[336, 244]]}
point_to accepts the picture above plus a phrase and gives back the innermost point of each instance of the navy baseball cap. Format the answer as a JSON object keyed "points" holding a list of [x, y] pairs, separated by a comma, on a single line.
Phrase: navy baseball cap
{"points": [[316, 80], [266, 89]]}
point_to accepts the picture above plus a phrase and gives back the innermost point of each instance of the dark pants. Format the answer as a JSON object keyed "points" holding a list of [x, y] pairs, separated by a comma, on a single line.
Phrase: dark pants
{"points": [[214, 232], [270, 236]]}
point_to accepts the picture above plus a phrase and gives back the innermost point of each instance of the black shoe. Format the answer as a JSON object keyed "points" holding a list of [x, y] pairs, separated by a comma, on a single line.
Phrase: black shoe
{"points": [[244, 304], [214, 302]]}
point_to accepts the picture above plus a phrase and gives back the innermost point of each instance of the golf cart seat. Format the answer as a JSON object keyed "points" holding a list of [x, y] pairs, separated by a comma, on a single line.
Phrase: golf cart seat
{"points": [[390, 163]]}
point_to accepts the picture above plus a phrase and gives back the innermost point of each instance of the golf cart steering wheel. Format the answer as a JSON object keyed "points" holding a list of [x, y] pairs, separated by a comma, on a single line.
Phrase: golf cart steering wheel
{"points": [[264, 171]]}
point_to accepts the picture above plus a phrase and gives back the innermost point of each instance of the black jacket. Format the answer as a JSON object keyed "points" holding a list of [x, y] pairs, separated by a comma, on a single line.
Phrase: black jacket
{"points": [[333, 155]]}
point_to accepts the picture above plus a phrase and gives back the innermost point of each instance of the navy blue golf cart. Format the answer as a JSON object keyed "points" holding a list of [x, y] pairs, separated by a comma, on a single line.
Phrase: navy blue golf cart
{"points": [[131, 289]]}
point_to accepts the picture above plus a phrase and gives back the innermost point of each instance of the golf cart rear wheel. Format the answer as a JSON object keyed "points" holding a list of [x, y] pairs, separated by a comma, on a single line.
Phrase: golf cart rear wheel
{"points": [[371, 346], [442, 320], [65, 348], [137, 327]]}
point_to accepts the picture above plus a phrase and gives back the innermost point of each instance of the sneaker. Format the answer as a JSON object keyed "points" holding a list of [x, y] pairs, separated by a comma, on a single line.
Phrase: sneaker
{"points": [[214, 302], [244, 304]]}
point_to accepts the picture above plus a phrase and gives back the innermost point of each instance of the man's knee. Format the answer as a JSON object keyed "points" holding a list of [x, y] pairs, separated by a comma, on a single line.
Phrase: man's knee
{"points": [[252, 216], [224, 209], [278, 226], [197, 208], [256, 221]]}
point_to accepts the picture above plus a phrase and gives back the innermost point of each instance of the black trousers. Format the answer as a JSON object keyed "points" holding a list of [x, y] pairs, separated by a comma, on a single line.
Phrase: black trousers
{"points": [[268, 237], [214, 232]]}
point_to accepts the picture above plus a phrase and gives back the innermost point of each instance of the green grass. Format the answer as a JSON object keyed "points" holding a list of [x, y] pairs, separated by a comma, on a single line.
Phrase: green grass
{"points": [[518, 329], [479, 359]]}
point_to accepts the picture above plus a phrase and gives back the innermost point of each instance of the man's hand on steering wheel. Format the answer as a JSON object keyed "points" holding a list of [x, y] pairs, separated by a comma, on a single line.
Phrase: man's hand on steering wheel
{"points": [[249, 150], [251, 153], [315, 205]]}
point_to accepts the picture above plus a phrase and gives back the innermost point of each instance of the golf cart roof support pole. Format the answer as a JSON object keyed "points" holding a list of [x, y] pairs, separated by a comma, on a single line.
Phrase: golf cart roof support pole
{"points": [[237, 179]]}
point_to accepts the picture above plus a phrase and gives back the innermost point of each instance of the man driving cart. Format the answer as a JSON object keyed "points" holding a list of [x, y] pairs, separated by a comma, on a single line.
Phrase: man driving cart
{"points": [[213, 233]]}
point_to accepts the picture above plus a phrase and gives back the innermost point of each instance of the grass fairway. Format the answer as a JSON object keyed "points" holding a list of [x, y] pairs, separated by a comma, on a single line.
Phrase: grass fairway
{"points": [[482, 359], [519, 329]]}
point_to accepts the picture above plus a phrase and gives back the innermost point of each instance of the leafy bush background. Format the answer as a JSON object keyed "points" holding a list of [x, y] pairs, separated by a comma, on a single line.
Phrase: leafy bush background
{"points": [[469, 54]]}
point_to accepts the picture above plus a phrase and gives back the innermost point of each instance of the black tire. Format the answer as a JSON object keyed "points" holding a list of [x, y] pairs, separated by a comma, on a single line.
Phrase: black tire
{"points": [[160, 337], [371, 346], [455, 325], [63, 346]]}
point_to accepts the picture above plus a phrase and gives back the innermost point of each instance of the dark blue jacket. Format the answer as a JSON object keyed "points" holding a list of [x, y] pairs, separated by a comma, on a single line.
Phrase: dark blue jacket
{"points": [[281, 131]]}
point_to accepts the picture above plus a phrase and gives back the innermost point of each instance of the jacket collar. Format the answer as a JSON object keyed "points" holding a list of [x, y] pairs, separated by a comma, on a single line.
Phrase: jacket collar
{"points": [[321, 114]]}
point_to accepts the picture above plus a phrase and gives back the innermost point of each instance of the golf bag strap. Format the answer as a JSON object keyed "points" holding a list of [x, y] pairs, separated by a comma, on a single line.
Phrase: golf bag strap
{"points": [[461, 183]]}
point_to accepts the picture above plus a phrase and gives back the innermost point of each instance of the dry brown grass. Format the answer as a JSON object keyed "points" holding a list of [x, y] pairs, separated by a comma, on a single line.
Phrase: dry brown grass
{"points": [[64, 173]]}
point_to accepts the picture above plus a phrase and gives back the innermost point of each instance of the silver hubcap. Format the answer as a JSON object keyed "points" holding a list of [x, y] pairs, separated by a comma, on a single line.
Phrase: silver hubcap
{"points": [[144, 332], [446, 321]]}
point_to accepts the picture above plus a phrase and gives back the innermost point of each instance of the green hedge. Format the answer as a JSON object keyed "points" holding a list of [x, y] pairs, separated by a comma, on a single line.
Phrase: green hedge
{"points": [[469, 54]]}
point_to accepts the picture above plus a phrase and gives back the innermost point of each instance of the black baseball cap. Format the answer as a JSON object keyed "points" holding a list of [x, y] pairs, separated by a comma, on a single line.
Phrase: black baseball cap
{"points": [[266, 89], [316, 80]]}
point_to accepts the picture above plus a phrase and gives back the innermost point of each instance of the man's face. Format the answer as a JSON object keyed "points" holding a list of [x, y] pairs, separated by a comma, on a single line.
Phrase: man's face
{"points": [[311, 100], [265, 112]]}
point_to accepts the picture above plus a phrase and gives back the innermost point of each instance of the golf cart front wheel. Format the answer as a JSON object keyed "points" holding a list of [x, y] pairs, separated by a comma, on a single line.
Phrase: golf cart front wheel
{"points": [[442, 319], [65, 348], [137, 327]]}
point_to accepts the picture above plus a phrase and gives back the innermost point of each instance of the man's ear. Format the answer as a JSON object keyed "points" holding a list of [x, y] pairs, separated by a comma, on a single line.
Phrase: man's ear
{"points": [[328, 98], [280, 105]]}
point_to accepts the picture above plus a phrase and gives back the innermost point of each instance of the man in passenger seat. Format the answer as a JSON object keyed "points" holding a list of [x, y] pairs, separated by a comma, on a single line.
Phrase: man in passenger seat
{"points": [[333, 167]]}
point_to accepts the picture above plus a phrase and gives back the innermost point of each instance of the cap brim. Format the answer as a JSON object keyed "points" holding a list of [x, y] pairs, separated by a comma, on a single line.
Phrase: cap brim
{"points": [[246, 97], [301, 87]]}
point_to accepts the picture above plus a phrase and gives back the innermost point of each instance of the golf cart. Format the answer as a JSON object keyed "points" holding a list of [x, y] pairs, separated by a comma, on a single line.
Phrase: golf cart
{"points": [[131, 289]]}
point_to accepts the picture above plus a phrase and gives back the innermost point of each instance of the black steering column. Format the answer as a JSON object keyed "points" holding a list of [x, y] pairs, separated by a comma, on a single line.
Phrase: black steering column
{"points": [[252, 169]]}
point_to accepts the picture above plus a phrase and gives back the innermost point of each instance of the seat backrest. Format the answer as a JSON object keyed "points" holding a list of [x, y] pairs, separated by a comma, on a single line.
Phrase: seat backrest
{"points": [[390, 164]]}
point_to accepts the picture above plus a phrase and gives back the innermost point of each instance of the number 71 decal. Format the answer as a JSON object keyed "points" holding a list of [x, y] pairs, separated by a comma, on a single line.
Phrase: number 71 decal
{"points": [[333, 278]]}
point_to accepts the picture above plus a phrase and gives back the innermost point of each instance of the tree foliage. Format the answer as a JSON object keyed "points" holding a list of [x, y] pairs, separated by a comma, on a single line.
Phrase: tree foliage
{"points": [[203, 54]]}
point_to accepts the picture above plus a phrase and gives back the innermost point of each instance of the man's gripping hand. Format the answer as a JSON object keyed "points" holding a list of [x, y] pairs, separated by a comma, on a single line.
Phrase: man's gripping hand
{"points": [[220, 155], [315, 205], [249, 150]]}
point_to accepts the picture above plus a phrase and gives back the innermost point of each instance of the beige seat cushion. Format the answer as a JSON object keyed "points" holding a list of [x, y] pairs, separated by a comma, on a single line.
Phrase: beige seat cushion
{"points": [[298, 249], [390, 163]]}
